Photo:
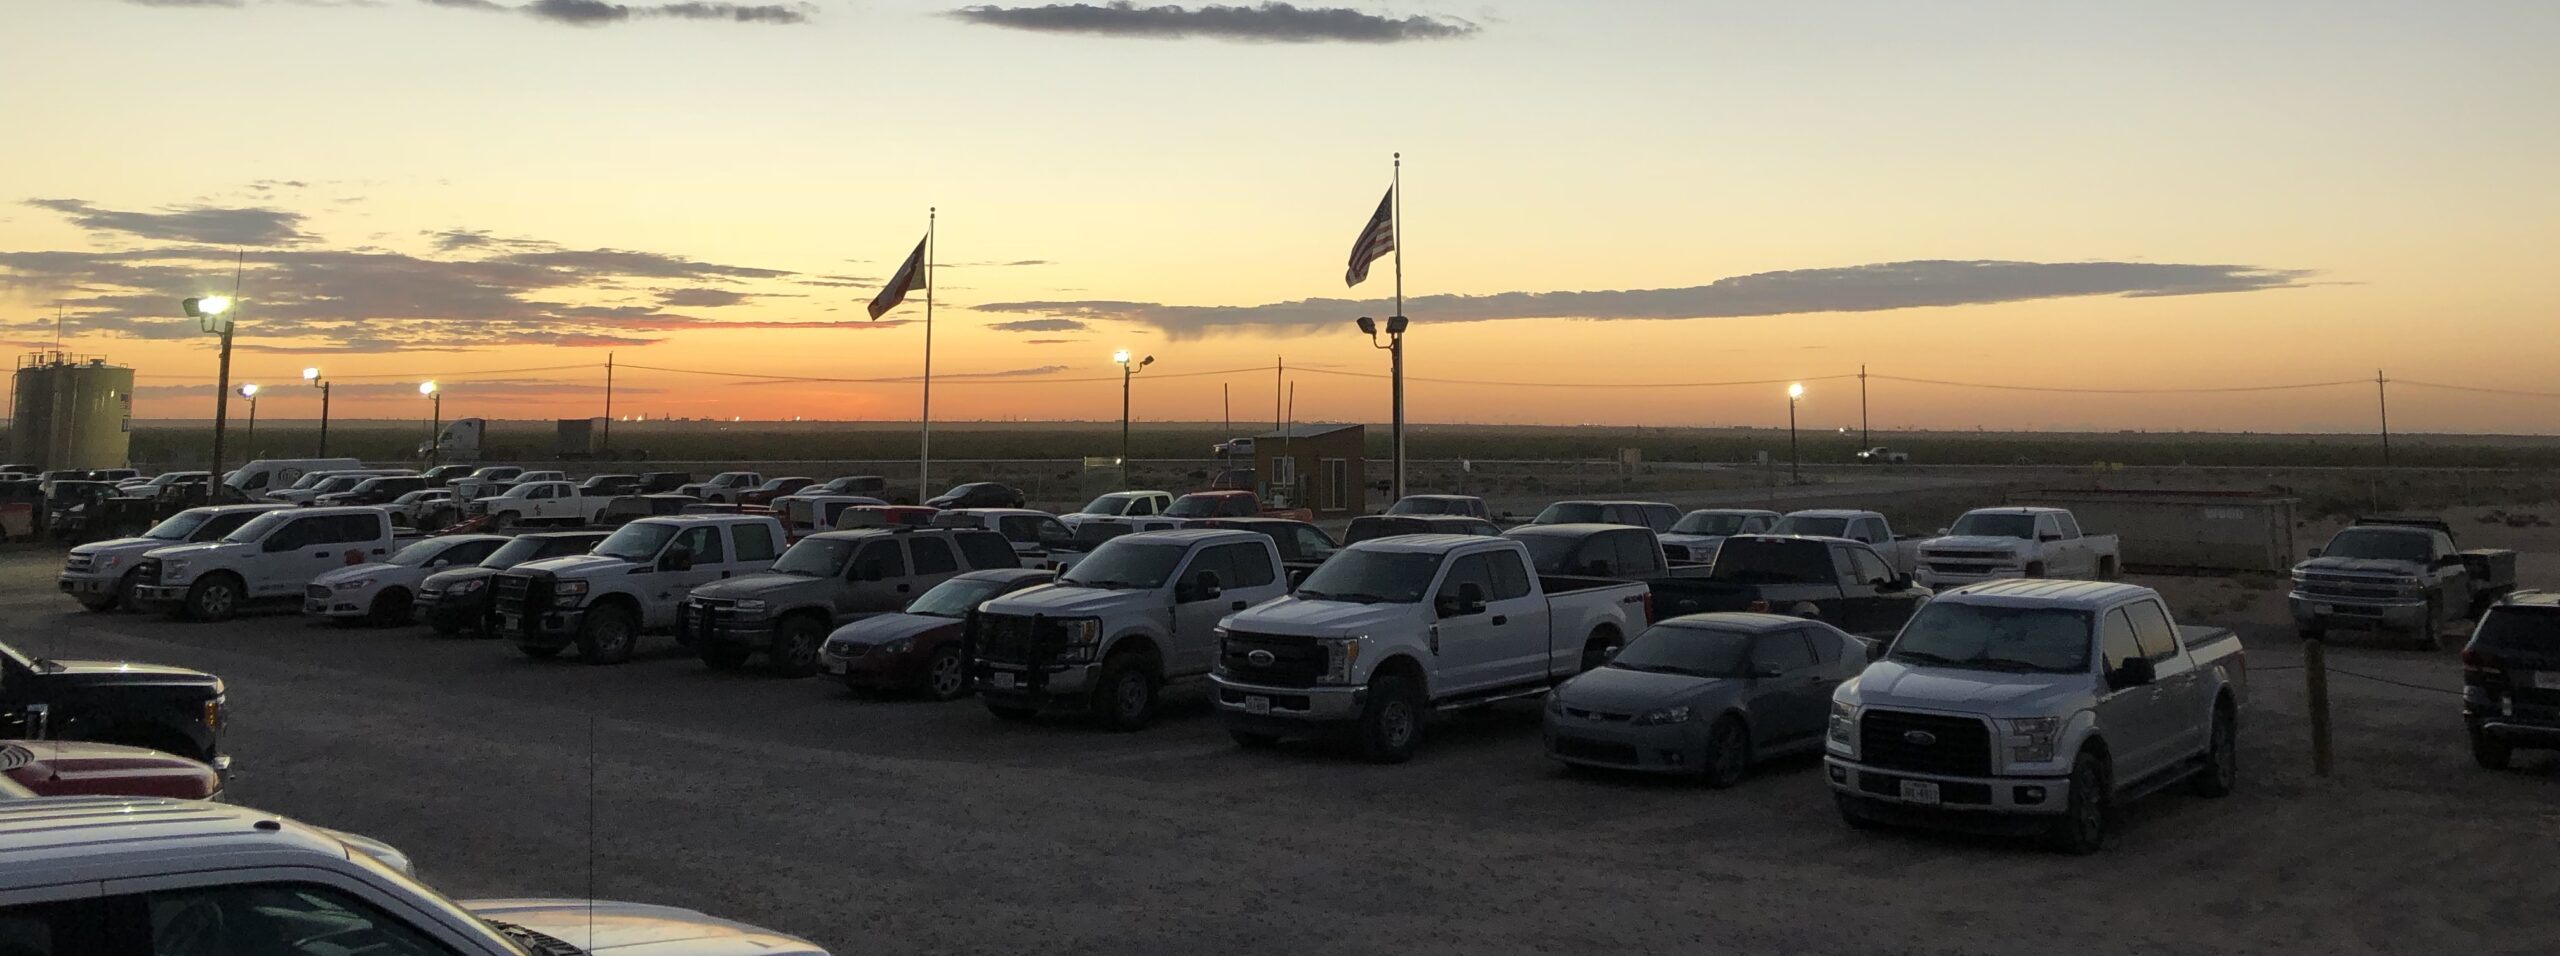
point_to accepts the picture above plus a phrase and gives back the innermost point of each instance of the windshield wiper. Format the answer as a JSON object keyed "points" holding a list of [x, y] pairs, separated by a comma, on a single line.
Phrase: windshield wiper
{"points": [[1925, 657], [540, 944], [2010, 663]]}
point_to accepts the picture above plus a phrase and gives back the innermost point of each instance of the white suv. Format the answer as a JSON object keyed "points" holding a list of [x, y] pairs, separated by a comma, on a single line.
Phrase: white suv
{"points": [[275, 555]]}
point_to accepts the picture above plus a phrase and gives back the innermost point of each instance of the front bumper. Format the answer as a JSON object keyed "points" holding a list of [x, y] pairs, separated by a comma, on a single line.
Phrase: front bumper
{"points": [[164, 595], [440, 609], [86, 584], [2326, 610], [552, 628], [1041, 687], [1620, 745], [333, 603], [1305, 705], [871, 668], [700, 625], [2039, 796]]}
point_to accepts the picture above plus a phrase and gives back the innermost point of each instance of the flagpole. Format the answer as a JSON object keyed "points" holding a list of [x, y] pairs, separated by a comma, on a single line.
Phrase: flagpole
{"points": [[924, 464], [1397, 187]]}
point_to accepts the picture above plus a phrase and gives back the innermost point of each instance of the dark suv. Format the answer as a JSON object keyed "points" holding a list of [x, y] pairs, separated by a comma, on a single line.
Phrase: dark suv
{"points": [[2511, 678], [978, 494]]}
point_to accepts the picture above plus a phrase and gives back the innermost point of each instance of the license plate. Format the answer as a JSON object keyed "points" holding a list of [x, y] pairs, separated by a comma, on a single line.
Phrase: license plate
{"points": [[313, 607], [2324, 609], [509, 621], [1000, 680], [1920, 791], [1257, 706], [834, 667]]}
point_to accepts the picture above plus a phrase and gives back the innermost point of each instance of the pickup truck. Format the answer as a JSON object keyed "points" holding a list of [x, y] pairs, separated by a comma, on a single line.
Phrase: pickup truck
{"points": [[1136, 504], [773, 488], [1141, 611], [539, 503], [317, 484], [635, 581], [1391, 629], [1467, 505], [1840, 582], [825, 581], [723, 487], [1880, 455], [377, 490], [271, 556], [1031, 534], [1366, 527], [225, 879], [1230, 504], [1899, 552], [1990, 543], [2037, 704], [487, 480], [168, 709], [2397, 574], [101, 575], [1697, 534], [1623, 552], [454, 599], [1643, 514]]}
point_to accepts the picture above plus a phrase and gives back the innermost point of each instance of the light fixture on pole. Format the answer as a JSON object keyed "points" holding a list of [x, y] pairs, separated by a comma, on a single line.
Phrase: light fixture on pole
{"points": [[1127, 371], [1395, 362], [213, 315], [435, 440], [250, 392], [312, 376], [1795, 456]]}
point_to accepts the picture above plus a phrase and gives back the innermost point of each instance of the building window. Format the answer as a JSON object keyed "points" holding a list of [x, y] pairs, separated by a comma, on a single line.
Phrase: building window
{"points": [[1284, 480], [1337, 478]]}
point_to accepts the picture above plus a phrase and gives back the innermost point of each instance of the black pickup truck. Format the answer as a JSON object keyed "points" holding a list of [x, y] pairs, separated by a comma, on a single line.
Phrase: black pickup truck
{"points": [[169, 709], [1840, 582], [2399, 574]]}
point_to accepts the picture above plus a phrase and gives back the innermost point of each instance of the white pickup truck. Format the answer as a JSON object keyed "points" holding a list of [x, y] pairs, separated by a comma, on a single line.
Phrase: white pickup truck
{"points": [[1390, 629], [725, 487], [540, 502], [1900, 553], [1140, 611], [1991, 543], [636, 580], [273, 555]]}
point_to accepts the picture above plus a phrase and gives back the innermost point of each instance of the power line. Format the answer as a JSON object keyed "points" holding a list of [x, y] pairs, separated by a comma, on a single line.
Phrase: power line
{"points": [[1471, 381], [2118, 391], [972, 378], [2476, 388]]}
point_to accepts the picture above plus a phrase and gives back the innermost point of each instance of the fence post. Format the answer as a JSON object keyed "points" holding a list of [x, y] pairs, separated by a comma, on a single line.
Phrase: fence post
{"points": [[2315, 679]]}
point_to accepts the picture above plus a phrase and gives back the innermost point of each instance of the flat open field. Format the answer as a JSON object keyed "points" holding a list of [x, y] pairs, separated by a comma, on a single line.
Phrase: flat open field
{"points": [[894, 826]]}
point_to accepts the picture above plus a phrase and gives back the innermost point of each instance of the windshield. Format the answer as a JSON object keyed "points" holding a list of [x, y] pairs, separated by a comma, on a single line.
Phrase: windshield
{"points": [[1551, 553], [1426, 506], [257, 527], [1765, 561], [1982, 637], [335, 485], [2520, 629], [1105, 505], [311, 480], [816, 557], [1683, 649], [496, 471], [1995, 525], [417, 555], [1372, 577], [2379, 543], [1812, 527], [512, 553], [637, 541], [955, 598], [1195, 506], [1569, 512], [1122, 563], [178, 527], [1710, 522]]}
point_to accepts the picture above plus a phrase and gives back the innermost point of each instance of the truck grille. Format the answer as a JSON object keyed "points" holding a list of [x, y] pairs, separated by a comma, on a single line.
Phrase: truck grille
{"points": [[2349, 586], [316, 592], [524, 594], [1954, 746], [1293, 661], [1025, 641], [1578, 748], [76, 562]]}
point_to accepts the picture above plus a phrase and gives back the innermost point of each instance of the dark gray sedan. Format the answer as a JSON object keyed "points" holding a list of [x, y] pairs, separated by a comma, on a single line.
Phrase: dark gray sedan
{"points": [[1706, 695]]}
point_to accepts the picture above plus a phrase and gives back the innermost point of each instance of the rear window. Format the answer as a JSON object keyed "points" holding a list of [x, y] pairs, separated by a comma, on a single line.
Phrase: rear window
{"points": [[987, 549], [2520, 629], [1765, 561]]}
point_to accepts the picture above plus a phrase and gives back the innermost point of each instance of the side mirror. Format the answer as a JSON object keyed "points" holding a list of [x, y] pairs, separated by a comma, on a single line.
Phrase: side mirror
{"points": [[2449, 561], [441, 563], [1900, 582], [2134, 672], [676, 559], [1470, 598], [2050, 536], [2315, 552], [1206, 587], [1943, 532]]}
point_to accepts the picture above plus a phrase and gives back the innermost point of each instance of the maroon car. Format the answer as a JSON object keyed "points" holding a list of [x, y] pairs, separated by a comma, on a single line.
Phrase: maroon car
{"points": [[926, 646], [765, 493], [71, 768]]}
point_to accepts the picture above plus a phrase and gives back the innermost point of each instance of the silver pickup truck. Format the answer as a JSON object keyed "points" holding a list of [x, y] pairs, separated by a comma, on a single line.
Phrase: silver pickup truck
{"points": [[2036, 703]]}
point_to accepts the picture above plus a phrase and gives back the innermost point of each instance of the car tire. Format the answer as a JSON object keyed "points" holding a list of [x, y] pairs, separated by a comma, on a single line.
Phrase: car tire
{"points": [[1015, 713], [946, 674], [123, 595], [2221, 771], [1125, 697], [444, 627], [1853, 811], [98, 605], [215, 597], [608, 635], [1390, 727], [2490, 754], [390, 608], [722, 657], [794, 651], [1253, 740], [2035, 569], [2430, 636], [541, 652], [2082, 828], [1727, 758]]}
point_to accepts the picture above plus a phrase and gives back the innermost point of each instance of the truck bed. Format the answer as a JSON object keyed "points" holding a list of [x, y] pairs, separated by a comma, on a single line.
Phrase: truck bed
{"points": [[2490, 568], [2211, 646]]}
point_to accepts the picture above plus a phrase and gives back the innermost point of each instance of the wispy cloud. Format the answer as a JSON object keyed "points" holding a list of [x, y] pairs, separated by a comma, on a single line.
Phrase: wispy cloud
{"points": [[1265, 22], [242, 226], [588, 13], [184, 3], [1041, 325], [1866, 288]]}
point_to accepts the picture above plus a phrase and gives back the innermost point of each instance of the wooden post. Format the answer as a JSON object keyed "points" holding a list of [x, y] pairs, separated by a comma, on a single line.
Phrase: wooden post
{"points": [[2315, 679]]}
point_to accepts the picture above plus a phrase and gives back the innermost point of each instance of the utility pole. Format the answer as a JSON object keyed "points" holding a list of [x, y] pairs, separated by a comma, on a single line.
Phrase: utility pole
{"points": [[604, 445], [1866, 437], [2382, 391]]}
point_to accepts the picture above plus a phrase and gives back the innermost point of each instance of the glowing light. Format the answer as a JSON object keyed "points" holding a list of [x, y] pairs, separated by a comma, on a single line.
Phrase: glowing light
{"points": [[426, 388], [1795, 391]]}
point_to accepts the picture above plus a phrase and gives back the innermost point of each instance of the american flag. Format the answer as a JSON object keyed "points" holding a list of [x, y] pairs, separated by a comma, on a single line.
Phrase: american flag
{"points": [[1376, 240], [910, 277]]}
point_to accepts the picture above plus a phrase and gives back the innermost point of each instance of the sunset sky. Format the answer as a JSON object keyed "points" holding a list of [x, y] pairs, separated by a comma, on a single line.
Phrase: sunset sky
{"points": [[1600, 195]]}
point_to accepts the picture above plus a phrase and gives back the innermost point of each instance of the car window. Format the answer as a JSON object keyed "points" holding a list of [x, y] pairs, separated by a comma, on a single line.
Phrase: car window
{"points": [[1786, 650], [2152, 630], [1251, 564], [1865, 567], [2069, 523], [1510, 575], [469, 552], [1311, 541], [1828, 643], [1023, 528], [1869, 530], [1758, 523], [277, 919], [984, 550], [933, 556], [1476, 569], [2045, 525], [47, 929], [892, 561], [2116, 641], [755, 542], [1661, 517], [354, 529], [705, 544], [1638, 554]]}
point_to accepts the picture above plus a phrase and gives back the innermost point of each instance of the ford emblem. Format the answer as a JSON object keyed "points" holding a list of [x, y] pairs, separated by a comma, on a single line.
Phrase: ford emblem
{"points": [[1919, 738], [1261, 658]]}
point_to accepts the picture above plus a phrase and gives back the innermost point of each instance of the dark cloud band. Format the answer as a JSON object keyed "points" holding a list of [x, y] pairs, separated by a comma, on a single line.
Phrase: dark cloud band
{"points": [[1266, 22]]}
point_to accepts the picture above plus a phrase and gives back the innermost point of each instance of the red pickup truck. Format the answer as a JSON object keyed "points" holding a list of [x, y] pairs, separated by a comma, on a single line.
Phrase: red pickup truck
{"points": [[1231, 504]]}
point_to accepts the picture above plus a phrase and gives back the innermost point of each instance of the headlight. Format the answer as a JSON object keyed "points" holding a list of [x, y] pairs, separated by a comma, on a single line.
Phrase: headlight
{"points": [[1844, 724], [899, 646], [357, 584], [1667, 715], [110, 561], [1084, 637], [1341, 656], [2031, 738], [173, 568], [213, 711], [750, 606], [467, 586], [576, 587]]}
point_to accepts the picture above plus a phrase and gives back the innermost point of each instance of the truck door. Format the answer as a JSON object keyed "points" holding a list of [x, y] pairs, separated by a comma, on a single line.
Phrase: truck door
{"points": [[1468, 647], [1521, 619], [1196, 613], [1867, 603], [2179, 704], [2128, 717], [666, 588]]}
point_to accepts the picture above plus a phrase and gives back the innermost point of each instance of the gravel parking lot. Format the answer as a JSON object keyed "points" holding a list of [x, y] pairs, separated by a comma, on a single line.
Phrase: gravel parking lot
{"points": [[895, 826]]}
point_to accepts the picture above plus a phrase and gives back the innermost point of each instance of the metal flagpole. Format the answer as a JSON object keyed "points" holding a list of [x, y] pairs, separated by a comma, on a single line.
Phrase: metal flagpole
{"points": [[924, 464], [1396, 186]]}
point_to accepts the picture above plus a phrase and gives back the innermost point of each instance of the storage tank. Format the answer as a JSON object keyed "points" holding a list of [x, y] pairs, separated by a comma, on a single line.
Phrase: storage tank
{"points": [[71, 412]]}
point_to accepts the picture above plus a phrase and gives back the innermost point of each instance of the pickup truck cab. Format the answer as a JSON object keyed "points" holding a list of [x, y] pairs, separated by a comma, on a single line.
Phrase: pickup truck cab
{"points": [[1467, 505], [1095, 530], [101, 575], [271, 556], [1302, 545], [1867, 527], [2404, 575], [805, 514], [1695, 536], [725, 487], [485, 481], [824, 581], [1141, 611], [384, 593], [1391, 629], [1136, 504], [1230, 504], [774, 488], [2037, 703], [978, 494], [377, 490], [634, 582], [539, 503], [1623, 552], [609, 486], [317, 484], [1643, 514], [1366, 527], [168, 709], [1991, 543], [1031, 534], [112, 876], [1840, 582]]}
